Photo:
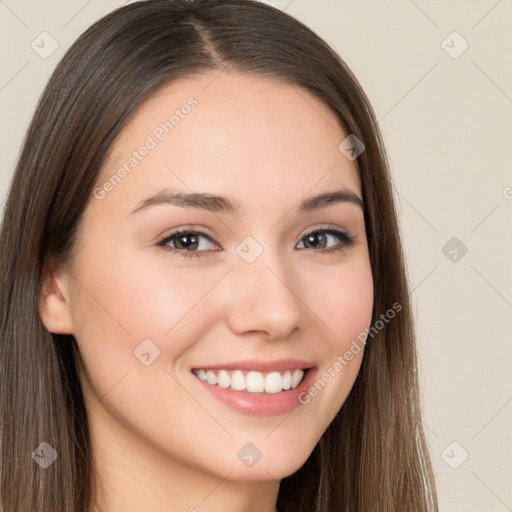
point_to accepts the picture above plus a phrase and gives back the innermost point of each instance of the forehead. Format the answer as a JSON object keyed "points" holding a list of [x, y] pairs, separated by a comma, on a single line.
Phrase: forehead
{"points": [[241, 135]]}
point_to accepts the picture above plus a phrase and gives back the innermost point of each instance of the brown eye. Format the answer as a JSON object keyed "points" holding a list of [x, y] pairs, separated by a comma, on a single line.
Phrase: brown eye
{"points": [[186, 243], [320, 238]]}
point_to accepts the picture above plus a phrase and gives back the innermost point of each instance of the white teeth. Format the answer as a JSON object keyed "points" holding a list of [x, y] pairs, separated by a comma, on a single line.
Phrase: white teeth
{"points": [[287, 380], [296, 377], [238, 381], [273, 383], [253, 382], [223, 379], [211, 377]]}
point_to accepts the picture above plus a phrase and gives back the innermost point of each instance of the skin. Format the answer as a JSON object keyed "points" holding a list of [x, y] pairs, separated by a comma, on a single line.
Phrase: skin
{"points": [[160, 441]]}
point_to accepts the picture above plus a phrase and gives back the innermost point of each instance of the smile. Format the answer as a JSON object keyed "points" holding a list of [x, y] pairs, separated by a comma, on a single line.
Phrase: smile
{"points": [[251, 381]]}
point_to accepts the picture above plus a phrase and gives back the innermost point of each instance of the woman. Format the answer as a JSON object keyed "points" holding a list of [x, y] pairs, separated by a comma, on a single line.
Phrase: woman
{"points": [[204, 302]]}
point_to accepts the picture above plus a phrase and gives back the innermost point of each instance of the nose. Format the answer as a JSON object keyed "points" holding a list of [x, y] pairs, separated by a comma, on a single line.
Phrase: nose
{"points": [[263, 298]]}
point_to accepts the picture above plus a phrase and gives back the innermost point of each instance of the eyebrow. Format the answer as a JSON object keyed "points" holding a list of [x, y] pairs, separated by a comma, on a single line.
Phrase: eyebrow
{"points": [[220, 204]]}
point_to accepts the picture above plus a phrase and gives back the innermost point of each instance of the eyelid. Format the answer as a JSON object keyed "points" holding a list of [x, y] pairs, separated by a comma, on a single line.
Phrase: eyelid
{"points": [[186, 229], [162, 240], [327, 227]]}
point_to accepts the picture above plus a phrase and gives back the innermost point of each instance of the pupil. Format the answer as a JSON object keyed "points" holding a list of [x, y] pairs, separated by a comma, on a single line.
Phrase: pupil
{"points": [[189, 240], [314, 236]]}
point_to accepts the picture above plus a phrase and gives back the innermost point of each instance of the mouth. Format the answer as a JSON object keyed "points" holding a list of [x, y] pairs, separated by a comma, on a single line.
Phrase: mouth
{"points": [[252, 381], [257, 388]]}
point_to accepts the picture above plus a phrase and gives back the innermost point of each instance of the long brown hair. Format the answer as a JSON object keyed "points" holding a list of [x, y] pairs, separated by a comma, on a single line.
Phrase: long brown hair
{"points": [[373, 456]]}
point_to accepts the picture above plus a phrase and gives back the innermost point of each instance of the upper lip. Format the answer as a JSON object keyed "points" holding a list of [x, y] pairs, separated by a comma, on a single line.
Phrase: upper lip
{"points": [[279, 365]]}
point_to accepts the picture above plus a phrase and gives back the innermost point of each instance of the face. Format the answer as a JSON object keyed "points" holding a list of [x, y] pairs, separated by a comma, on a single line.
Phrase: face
{"points": [[258, 289]]}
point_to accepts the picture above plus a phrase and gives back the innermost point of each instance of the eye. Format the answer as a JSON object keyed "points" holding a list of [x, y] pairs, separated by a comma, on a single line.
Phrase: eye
{"points": [[318, 238], [188, 242]]}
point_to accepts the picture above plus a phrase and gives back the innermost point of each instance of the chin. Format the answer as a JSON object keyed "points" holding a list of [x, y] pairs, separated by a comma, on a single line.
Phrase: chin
{"points": [[272, 467]]}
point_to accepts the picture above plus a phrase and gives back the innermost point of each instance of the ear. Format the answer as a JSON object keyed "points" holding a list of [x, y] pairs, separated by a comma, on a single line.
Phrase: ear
{"points": [[54, 304]]}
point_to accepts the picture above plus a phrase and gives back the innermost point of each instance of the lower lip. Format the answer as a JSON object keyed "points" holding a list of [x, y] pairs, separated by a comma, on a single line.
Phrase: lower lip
{"points": [[261, 404]]}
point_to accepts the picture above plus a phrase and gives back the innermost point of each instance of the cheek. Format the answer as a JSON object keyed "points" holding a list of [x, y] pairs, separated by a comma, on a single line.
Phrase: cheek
{"points": [[349, 309], [343, 301], [120, 310], [132, 300], [121, 306]]}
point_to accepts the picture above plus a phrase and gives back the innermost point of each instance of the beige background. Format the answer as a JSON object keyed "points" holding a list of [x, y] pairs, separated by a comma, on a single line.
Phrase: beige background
{"points": [[447, 125]]}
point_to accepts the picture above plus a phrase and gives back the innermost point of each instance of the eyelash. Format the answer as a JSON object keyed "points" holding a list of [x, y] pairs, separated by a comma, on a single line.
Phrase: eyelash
{"points": [[346, 239]]}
